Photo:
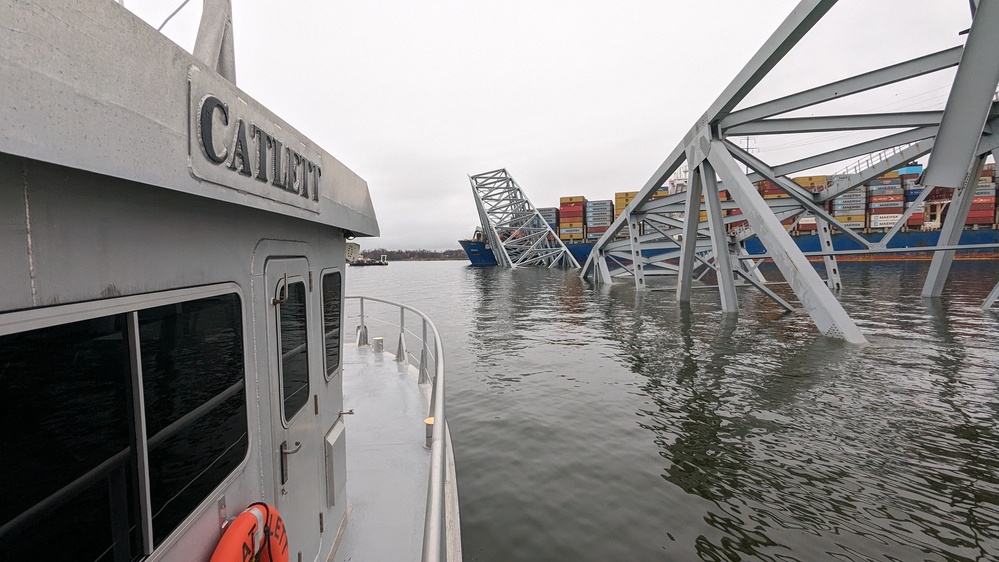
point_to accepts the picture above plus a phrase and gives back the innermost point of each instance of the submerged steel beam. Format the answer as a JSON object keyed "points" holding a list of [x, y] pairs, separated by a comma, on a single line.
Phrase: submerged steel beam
{"points": [[818, 302]]}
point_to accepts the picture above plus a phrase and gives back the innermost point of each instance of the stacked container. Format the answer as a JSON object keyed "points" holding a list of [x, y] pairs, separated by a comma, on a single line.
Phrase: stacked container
{"points": [[599, 215], [850, 209], [983, 206], [769, 190], [885, 201], [910, 183], [621, 200], [572, 214], [550, 214]]}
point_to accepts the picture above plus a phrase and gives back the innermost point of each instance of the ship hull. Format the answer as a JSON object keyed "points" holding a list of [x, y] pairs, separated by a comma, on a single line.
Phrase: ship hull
{"points": [[479, 253], [480, 256]]}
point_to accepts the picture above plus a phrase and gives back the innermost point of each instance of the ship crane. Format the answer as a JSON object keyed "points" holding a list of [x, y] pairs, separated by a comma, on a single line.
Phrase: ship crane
{"points": [[518, 235]]}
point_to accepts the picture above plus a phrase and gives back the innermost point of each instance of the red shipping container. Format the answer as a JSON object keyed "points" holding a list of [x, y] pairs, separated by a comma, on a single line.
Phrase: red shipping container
{"points": [[980, 200], [571, 206], [807, 227], [978, 220], [983, 207], [989, 172], [886, 198], [978, 213], [597, 228]]}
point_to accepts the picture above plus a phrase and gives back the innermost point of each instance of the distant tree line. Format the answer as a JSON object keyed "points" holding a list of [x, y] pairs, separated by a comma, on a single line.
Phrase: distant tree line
{"points": [[414, 255]]}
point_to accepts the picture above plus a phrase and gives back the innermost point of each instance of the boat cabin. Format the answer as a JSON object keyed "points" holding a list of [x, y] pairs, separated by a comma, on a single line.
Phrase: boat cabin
{"points": [[170, 325]]}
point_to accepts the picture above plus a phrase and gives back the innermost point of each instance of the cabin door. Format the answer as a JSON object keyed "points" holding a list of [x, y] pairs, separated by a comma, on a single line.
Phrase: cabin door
{"points": [[296, 445]]}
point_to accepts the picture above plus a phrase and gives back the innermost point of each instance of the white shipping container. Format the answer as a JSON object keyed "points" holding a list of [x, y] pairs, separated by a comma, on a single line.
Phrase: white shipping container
{"points": [[853, 224], [807, 220], [577, 230], [884, 221], [598, 223]]}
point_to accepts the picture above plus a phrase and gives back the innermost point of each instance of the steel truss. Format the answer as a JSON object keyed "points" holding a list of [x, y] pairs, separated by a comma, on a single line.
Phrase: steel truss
{"points": [[518, 234], [667, 236]]}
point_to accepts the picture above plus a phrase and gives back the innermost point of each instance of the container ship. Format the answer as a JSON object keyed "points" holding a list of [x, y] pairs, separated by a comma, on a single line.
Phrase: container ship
{"points": [[872, 210]]}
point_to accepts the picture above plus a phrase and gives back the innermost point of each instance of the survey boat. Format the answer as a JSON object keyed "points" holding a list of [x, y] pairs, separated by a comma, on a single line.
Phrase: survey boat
{"points": [[178, 379]]}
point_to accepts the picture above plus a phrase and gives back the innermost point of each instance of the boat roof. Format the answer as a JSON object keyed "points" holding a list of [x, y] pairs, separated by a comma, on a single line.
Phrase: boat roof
{"points": [[89, 85]]}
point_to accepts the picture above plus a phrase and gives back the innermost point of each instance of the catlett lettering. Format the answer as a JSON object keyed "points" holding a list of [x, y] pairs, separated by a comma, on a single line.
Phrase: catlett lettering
{"points": [[254, 152]]}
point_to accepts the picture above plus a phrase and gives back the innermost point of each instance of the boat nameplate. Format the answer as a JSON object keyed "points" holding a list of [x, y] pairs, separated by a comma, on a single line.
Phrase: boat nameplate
{"points": [[234, 144]]}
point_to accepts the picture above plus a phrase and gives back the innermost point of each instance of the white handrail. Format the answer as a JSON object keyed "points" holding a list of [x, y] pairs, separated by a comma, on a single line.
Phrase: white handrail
{"points": [[434, 540]]}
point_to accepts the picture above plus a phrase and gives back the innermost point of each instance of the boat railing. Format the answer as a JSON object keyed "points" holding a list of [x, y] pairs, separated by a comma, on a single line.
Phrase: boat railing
{"points": [[430, 365]]}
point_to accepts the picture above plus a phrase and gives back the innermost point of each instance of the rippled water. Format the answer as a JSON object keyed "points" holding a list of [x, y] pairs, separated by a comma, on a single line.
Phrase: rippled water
{"points": [[602, 424]]}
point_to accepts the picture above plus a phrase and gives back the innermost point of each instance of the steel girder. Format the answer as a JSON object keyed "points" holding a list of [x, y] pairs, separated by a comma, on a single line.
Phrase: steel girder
{"points": [[518, 234], [707, 153]]}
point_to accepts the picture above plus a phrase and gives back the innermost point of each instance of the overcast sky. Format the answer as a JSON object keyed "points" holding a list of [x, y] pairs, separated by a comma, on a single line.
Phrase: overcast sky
{"points": [[571, 97]]}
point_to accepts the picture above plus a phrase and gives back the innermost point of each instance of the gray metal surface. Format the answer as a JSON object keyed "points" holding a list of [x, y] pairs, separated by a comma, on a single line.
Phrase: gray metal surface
{"points": [[387, 463], [92, 70], [674, 219]]}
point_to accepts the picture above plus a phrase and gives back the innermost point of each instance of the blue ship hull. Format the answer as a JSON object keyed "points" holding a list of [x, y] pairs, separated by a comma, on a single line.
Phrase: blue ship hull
{"points": [[479, 255]]}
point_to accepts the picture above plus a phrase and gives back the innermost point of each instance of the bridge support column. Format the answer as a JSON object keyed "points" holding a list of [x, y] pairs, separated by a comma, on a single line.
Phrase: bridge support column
{"points": [[719, 239], [833, 280], [688, 245], [637, 265], [818, 301]]}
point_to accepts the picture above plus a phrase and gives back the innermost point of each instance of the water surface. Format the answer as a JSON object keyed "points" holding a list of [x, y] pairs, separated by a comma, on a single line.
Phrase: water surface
{"points": [[603, 424]]}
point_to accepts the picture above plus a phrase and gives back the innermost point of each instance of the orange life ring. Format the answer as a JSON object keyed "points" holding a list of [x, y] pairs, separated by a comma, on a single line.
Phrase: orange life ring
{"points": [[256, 535]]}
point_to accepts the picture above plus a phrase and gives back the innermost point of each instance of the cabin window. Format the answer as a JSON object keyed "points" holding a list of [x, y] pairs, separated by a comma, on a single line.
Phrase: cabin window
{"points": [[68, 460], [192, 372], [75, 425], [332, 304], [293, 334]]}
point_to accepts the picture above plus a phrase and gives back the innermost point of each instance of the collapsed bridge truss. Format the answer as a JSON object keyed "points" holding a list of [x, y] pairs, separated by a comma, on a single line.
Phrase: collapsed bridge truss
{"points": [[518, 234], [688, 233]]}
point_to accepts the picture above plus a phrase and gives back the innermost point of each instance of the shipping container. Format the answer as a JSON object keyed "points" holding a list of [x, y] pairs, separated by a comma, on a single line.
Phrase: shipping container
{"points": [[572, 199], [598, 224], [565, 224], [564, 231], [851, 218], [884, 221]]}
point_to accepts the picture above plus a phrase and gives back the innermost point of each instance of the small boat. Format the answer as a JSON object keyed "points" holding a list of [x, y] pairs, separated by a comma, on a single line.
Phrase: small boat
{"points": [[361, 261]]}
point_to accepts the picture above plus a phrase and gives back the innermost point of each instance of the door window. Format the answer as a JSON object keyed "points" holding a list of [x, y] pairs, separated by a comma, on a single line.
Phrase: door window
{"points": [[332, 302], [293, 334]]}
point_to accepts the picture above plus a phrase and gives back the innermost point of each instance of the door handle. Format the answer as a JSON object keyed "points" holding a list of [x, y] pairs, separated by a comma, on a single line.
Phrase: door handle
{"points": [[285, 451]]}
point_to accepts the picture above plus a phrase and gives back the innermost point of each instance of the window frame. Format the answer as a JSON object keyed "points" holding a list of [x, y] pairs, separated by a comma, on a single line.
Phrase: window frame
{"points": [[283, 285], [322, 298], [33, 319]]}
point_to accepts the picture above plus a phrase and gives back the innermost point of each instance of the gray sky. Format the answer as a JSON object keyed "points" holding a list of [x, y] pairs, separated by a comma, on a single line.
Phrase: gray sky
{"points": [[571, 97]]}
